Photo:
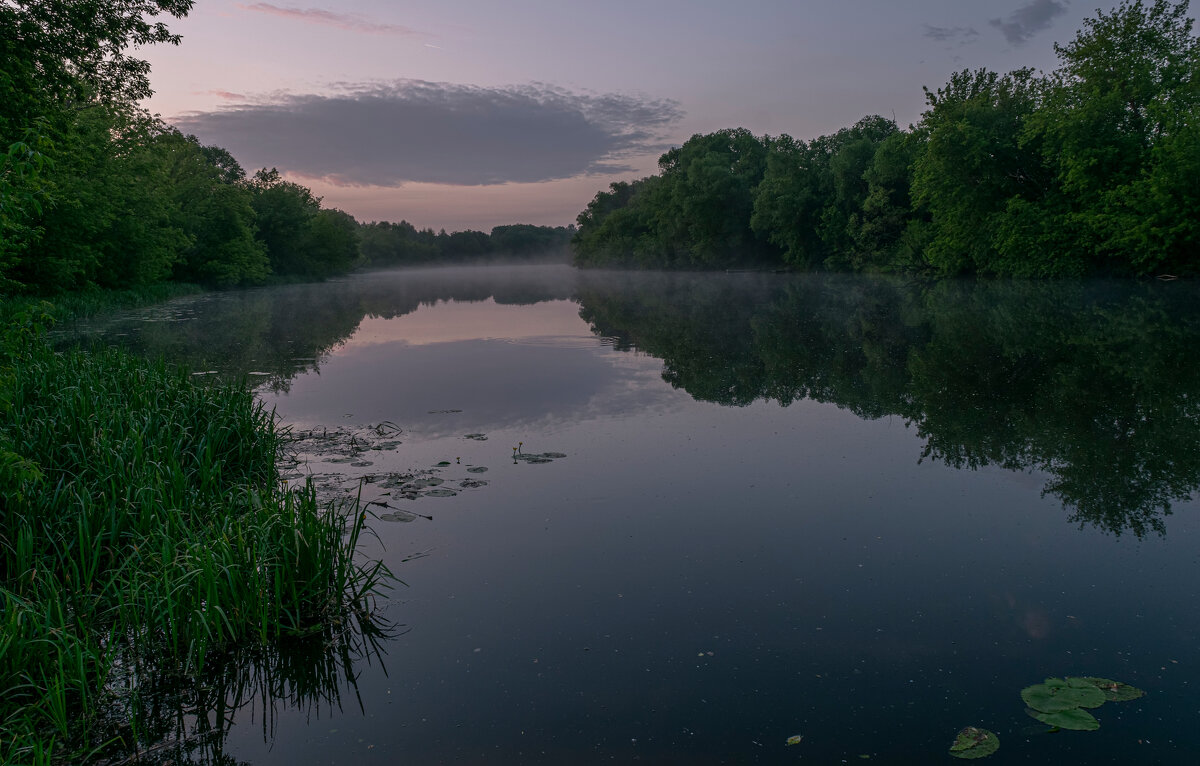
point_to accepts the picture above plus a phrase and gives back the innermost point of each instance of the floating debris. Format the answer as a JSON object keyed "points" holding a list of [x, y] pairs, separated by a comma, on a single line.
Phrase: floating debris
{"points": [[476, 437], [974, 742], [794, 740], [443, 412]]}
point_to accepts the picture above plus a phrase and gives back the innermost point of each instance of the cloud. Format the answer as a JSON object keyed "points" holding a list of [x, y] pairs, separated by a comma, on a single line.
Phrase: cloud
{"points": [[411, 130], [347, 21], [950, 34], [1029, 19]]}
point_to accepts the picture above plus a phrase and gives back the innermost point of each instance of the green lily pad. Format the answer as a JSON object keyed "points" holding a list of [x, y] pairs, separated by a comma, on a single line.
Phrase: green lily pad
{"points": [[1057, 694], [402, 516], [1074, 719], [477, 469], [444, 462], [1114, 691], [973, 742], [440, 493]]}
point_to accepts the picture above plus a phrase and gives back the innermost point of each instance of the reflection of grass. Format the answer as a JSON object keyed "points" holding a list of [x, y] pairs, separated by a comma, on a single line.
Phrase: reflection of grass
{"points": [[144, 530], [88, 303]]}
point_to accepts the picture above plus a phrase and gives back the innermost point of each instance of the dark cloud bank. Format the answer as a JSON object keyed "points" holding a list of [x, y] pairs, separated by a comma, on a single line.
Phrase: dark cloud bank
{"points": [[419, 131], [1029, 19]]}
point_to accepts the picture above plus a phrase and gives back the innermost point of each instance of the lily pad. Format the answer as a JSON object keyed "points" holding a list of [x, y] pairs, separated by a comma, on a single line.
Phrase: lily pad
{"points": [[444, 462], [441, 493], [476, 437], [1074, 719], [422, 483], [974, 742], [1114, 691], [554, 455], [477, 469], [472, 483], [1057, 694], [404, 516]]}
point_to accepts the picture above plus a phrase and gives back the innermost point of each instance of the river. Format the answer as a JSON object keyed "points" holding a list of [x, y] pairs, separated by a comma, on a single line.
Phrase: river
{"points": [[720, 511]]}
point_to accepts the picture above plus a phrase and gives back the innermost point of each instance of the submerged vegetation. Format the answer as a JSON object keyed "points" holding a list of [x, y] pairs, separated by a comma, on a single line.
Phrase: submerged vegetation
{"points": [[145, 536], [1086, 170]]}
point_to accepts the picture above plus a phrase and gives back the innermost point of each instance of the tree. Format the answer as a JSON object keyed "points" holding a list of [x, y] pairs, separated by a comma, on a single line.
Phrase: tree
{"points": [[283, 210], [1119, 129], [973, 163]]}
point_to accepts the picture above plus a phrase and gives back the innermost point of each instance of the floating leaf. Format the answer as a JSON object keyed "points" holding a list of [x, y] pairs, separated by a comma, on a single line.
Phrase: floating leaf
{"points": [[794, 739], [428, 481], [444, 462], [477, 469], [1057, 694], [441, 493], [1074, 719], [398, 516], [476, 437], [554, 454], [1114, 691], [973, 742]]}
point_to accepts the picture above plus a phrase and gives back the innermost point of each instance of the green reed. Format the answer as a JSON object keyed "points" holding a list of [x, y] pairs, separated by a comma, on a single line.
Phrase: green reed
{"points": [[143, 531]]}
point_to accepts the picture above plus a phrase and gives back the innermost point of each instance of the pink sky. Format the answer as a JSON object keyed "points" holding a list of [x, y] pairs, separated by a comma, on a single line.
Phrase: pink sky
{"points": [[470, 113]]}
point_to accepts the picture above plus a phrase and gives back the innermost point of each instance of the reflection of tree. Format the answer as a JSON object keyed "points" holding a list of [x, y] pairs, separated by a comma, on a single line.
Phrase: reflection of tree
{"points": [[1091, 383], [190, 723], [284, 331]]}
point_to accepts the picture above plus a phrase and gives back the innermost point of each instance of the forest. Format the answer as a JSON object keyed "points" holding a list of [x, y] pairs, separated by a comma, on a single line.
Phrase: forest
{"points": [[97, 192], [1086, 170]]}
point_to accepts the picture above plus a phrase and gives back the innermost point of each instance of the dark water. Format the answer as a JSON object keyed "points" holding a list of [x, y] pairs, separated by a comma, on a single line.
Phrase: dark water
{"points": [[864, 511]]}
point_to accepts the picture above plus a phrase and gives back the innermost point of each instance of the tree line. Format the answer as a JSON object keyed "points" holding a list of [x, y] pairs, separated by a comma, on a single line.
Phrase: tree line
{"points": [[96, 191], [1086, 170]]}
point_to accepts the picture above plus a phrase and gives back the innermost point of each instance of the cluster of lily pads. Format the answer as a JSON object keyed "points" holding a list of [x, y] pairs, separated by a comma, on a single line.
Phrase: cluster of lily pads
{"points": [[1061, 703]]}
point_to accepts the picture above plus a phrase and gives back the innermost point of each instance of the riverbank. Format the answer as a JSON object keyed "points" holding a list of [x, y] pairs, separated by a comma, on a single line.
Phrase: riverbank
{"points": [[145, 535]]}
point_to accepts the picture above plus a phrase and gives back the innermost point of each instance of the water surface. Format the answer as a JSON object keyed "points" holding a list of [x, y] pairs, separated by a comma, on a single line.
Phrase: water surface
{"points": [[862, 510]]}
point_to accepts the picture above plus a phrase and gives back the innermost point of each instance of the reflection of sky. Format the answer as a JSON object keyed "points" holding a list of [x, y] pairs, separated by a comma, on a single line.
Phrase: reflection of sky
{"points": [[457, 321], [502, 366]]}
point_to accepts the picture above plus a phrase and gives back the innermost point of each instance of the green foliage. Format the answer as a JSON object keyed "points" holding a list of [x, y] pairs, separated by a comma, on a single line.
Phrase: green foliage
{"points": [[157, 538], [1089, 170], [696, 213]]}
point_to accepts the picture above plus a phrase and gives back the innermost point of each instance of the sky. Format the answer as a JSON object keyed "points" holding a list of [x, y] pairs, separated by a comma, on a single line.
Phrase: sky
{"points": [[468, 114]]}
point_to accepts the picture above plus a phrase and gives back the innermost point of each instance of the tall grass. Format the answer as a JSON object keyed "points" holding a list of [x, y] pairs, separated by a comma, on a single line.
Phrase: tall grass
{"points": [[144, 532]]}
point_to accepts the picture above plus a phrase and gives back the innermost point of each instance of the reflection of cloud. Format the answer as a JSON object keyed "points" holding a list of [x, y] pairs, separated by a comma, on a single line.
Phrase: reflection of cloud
{"points": [[950, 34], [1029, 19], [411, 130], [349, 22]]}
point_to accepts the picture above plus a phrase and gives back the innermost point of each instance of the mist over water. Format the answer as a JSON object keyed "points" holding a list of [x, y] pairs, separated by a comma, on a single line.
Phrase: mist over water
{"points": [[865, 511]]}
